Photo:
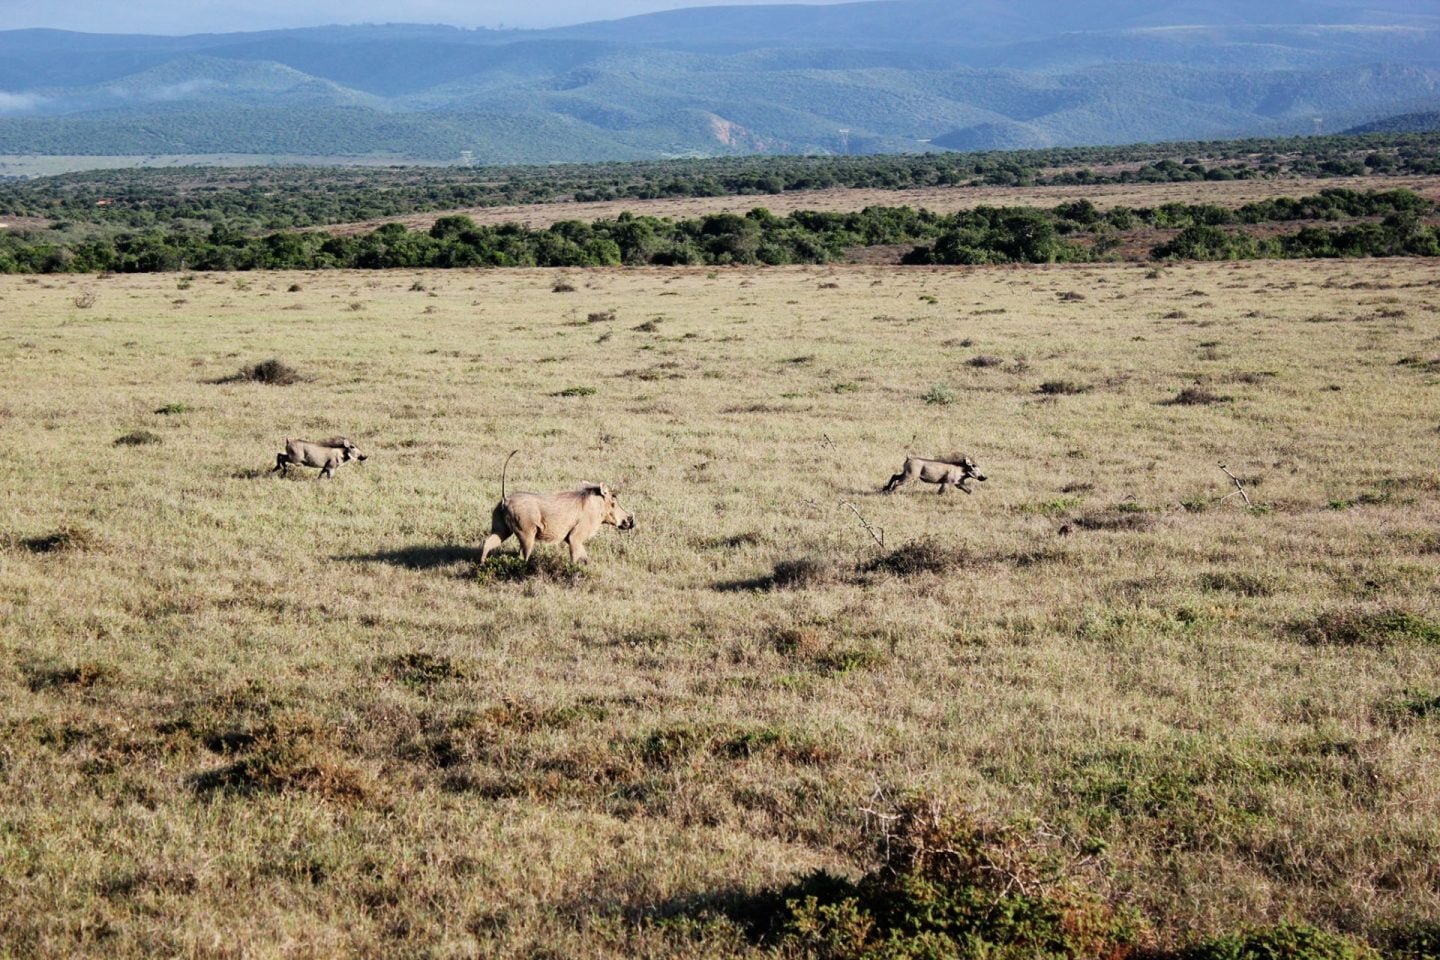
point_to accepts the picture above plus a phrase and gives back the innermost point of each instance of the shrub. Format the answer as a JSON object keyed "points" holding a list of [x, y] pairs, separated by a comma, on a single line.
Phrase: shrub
{"points": [[575, 392], [274, 372], [561, 285], [951, 886], [983, 361], [1285, 941], [600, 316], [928, 555], [940, 395], [173, 408], [1414, 941]]}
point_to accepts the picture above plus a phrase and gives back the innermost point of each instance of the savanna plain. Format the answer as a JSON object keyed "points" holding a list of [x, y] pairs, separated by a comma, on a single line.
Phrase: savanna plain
{"points": [[249, 716]]}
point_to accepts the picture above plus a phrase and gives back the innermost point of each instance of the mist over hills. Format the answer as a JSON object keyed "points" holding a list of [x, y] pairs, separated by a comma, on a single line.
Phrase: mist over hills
{"points": [[877, 76]]}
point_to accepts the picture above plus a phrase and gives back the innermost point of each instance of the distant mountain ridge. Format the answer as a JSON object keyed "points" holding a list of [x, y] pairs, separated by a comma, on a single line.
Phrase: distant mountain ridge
{"points": [[873, 76]]}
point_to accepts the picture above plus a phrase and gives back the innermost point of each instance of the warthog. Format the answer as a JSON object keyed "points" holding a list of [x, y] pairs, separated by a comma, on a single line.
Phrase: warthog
{"points": [[571, 515], [947, 473], [327, 455]]}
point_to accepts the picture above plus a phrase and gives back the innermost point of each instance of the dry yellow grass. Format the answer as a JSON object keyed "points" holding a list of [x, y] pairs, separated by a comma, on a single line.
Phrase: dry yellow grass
{"points": [[244, 716]]}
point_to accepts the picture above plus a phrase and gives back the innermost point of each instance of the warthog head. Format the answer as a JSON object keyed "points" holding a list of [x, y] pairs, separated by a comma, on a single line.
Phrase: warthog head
{"points": [[348, 450], [968, 466], [615, 515]]}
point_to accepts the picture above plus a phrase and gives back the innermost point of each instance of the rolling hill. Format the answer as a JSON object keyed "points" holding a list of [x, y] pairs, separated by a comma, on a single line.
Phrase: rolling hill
{"points": [[877, 76]]}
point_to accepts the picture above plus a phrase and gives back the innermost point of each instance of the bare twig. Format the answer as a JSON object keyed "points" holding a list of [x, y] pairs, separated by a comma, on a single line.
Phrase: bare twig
{"points": [[825, 439], [878, 535], [1239, 487]]}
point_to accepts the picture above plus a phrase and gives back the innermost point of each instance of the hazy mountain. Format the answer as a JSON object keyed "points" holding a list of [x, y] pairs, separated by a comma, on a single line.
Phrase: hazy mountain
{"points": [[884, 75]]}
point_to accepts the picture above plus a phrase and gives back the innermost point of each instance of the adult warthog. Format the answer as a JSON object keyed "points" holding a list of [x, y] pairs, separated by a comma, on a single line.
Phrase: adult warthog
{"points": [[573, 516]]}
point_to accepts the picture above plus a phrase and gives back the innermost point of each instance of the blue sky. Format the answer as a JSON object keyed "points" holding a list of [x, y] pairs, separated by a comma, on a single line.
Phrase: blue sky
{"points": [[205, 16]]}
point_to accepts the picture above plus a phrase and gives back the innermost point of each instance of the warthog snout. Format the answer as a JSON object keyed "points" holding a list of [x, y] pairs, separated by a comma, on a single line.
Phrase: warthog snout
{"points": [[628, 523]]}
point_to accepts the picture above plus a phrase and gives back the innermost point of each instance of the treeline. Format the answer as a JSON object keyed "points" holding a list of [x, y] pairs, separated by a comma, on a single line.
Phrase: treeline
{"points": [[267, 199], [1070, 232]]}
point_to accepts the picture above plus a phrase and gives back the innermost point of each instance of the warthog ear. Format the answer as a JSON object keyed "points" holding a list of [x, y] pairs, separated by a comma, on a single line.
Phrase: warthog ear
{"points": [[596, 488]]}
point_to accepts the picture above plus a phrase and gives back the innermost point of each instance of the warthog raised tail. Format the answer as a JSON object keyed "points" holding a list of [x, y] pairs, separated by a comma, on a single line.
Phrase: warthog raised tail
{"points": [[326, 454], [947, 473]]}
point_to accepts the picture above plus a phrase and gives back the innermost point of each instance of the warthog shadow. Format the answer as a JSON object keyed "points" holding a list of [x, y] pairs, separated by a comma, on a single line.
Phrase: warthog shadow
{"points": [[420, 556]]}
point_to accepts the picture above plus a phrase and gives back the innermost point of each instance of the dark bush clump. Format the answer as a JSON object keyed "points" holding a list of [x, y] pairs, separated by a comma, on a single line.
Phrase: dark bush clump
{"points": [[54, 676], [290, 753], [546, 567], [1062, 387], [274, 372], [421, 670], [64, 540], [1362, 628], [919, 557], [983, 361], [1197, 396], [805, 572], [138, 438]]}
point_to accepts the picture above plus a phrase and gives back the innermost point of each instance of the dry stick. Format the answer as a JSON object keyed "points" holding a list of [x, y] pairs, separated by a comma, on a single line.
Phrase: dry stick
{"points": [[877, 537], [1239, 487]]}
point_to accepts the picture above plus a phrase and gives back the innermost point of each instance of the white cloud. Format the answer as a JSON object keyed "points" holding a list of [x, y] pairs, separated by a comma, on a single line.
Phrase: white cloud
{"points": [[18, 102]]}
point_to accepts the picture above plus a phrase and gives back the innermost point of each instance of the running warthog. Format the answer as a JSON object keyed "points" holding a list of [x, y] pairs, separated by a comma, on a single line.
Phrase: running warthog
{"points": [[327, 455], [947, 473], [571, 515]]}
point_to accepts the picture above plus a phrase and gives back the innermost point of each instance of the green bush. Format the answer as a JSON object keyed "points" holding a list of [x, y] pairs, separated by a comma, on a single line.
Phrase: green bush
{"points": [[1286, 941]]}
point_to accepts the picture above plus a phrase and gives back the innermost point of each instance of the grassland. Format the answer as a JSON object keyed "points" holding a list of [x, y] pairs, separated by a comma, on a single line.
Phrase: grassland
{"points": [[245, 716]]}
